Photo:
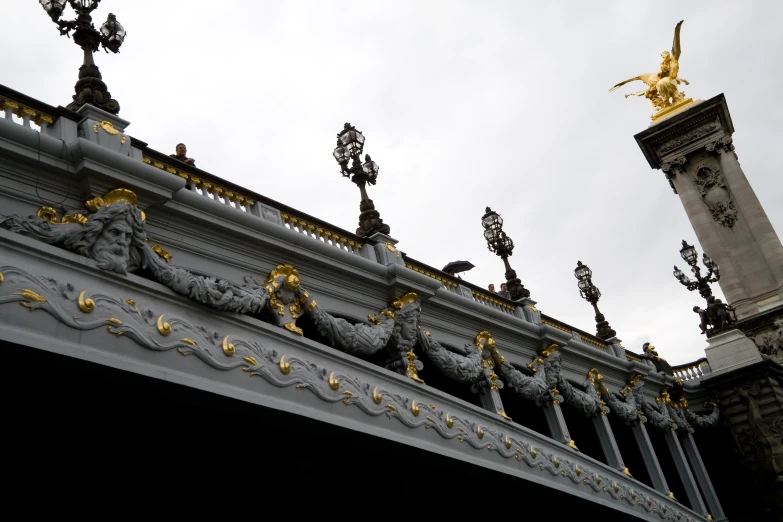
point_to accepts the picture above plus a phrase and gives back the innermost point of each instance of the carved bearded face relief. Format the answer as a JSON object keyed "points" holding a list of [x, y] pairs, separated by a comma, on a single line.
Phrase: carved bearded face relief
{"points": [[552, 368], [111, 250]]}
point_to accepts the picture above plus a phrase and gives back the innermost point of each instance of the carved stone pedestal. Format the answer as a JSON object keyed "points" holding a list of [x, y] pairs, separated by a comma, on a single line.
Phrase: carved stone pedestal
{"points": [[731, 350]]}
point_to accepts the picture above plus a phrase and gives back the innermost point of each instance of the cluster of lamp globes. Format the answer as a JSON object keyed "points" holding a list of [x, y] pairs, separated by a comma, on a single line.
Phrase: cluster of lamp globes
{"points": [[497, 241], [690, 256], [350, 145], [111, 34]]}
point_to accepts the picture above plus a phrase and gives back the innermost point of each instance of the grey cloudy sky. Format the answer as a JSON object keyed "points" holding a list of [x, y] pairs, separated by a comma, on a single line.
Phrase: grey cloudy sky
{"points": [[464, 105]]}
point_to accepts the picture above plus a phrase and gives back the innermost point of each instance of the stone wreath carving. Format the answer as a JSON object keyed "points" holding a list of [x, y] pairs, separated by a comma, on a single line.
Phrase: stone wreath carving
{"points": [[660, 413], [460, 368], [627, 404], [671, 413], [395, 329], [585, 398], [88, 310], [712, 187], [540, 384], [112, 232], [709, 420]]}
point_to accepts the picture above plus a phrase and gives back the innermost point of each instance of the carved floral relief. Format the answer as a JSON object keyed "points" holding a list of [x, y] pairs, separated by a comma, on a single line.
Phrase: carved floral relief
{"points": [[715, 194]]}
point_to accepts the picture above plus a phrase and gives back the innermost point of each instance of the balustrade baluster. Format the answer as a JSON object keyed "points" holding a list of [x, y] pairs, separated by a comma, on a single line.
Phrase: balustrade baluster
{"points": [[26, 114]]}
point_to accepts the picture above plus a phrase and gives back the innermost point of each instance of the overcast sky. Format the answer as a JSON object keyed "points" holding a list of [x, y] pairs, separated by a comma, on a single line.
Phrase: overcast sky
{"points": [[464, 105]]}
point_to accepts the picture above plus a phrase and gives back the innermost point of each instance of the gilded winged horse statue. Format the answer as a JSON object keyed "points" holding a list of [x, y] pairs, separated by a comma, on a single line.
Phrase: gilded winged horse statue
{"points": [[662, 88]]}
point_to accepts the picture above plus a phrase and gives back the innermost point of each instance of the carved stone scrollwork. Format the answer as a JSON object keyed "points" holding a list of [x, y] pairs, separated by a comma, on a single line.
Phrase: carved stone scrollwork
{"points": [[627, 404], [712, 187], [112, 232], [670, 169]]}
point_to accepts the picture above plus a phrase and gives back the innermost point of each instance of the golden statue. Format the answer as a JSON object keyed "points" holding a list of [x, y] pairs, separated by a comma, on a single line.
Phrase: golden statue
{"points": [[662, 88]]}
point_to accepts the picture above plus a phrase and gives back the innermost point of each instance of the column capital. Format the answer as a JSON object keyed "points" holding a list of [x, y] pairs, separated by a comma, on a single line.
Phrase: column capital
{"points": [[690, 130], [724, 144], [670, 169]]}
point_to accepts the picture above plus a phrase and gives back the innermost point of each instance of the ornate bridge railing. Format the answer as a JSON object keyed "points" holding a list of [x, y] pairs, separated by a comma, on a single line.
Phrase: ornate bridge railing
{"points": [[462, 287], [213, 187], [22, 109], [693, 370]]}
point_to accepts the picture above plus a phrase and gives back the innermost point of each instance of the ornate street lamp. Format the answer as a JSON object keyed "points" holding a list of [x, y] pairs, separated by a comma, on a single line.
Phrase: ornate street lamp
{"points": [[350, 145], [690, 256], [718, 316], [592, 294], [90, 88], [502, 245]]}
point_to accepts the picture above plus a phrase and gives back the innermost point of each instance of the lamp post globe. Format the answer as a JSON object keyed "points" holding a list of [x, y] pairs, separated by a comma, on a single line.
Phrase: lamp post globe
{"points": [[54, 8], [688, 253], [113, 34]]}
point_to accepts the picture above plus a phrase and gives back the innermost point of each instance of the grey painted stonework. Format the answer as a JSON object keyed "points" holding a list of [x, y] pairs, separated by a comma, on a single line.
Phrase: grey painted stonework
{"points": [[730, 351], [180, 283]]}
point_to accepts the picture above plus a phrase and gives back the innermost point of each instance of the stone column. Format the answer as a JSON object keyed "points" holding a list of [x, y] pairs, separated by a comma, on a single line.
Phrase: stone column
{"points": [[608, 443], [763, 233], [689, 445], [650, 458], [694, 150], [557, 424], [691, 489]]}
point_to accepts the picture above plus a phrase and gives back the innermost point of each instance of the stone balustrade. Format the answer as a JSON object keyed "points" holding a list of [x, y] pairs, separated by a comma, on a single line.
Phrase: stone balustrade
{"points": [[24, 113], [692, 371]]}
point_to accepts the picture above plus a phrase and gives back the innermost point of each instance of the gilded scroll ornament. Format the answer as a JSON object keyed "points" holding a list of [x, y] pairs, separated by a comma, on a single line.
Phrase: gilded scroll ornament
{"points": [[285, 368], [662, 86], [228, 348], [49, 214], [85, 305], [162, 252], [164, 328], [333, 383], [107, 126]]}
